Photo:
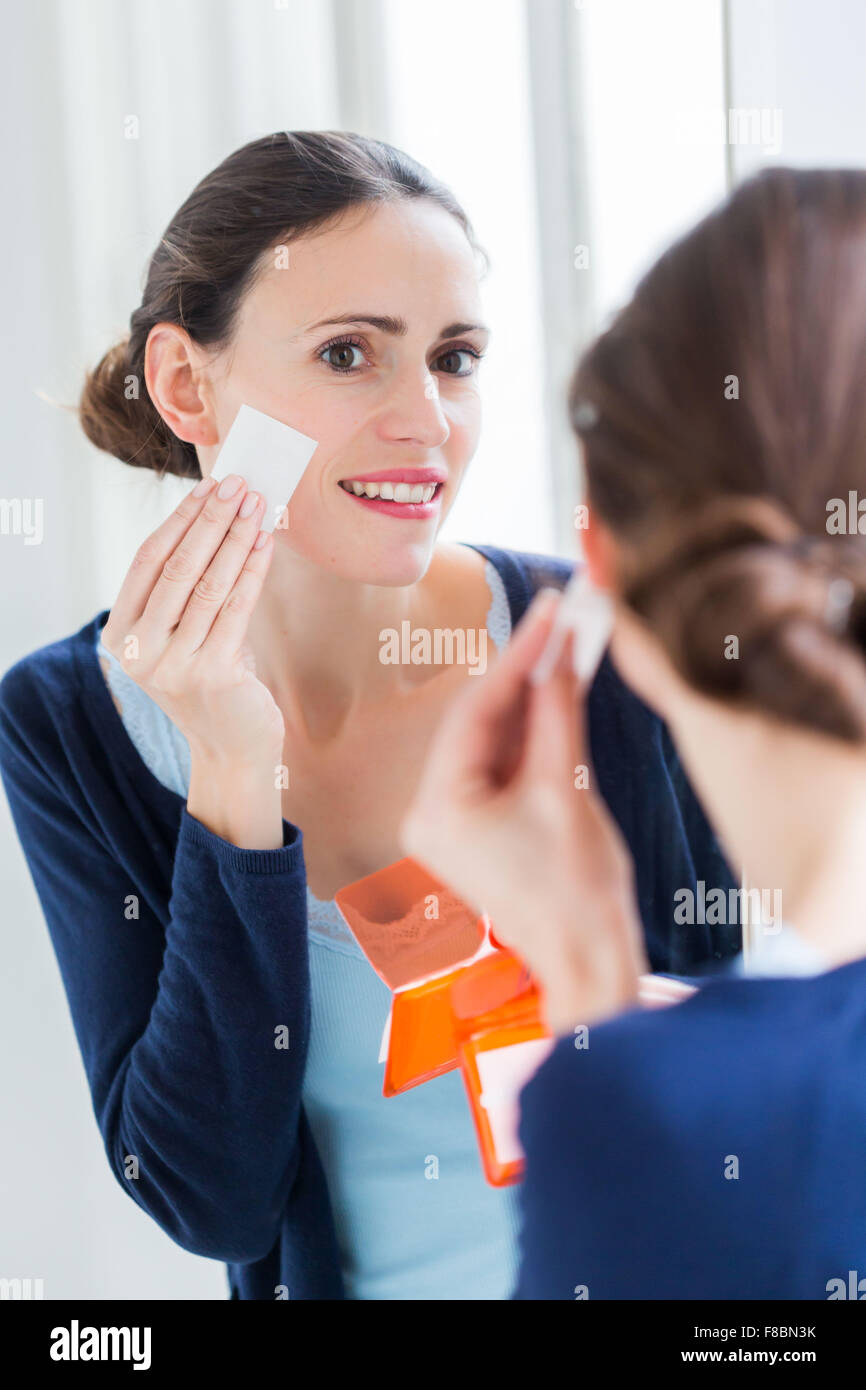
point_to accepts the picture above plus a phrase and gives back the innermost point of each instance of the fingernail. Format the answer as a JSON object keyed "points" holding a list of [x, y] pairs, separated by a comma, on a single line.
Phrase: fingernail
{"points": [[260, 540], [229, 486], [249, 504], [201, 489]]}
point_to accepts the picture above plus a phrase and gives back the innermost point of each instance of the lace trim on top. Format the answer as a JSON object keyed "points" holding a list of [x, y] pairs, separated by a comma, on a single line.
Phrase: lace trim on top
{"points": [[165, 752]]}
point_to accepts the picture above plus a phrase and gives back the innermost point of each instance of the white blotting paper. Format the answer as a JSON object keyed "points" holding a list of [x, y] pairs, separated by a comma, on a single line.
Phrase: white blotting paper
{"points": [[271, 458], [587, 612]]}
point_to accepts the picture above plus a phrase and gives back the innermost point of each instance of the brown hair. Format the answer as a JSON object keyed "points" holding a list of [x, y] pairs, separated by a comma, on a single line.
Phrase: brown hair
{"points": [[721, 414], [265, 194]]}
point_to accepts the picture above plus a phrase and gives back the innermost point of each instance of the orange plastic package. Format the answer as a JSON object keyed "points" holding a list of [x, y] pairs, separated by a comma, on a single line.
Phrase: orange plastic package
{"points": [[459, 999]]}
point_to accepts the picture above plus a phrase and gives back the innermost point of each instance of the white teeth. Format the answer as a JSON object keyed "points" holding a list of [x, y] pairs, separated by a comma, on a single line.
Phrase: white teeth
{"points": [[392, 492]]}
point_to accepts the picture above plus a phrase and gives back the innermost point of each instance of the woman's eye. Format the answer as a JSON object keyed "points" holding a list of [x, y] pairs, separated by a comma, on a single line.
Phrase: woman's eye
{"points": [[458, 362], [342, 356], [348, 356]]}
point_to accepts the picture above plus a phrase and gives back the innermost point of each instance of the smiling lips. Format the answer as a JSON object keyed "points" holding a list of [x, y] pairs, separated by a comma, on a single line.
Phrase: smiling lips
{"points": [[395, 495]]}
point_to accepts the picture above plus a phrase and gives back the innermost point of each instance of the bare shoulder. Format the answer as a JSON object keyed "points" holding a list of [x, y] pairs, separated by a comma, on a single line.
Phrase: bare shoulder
{"points": [[458, 585]]}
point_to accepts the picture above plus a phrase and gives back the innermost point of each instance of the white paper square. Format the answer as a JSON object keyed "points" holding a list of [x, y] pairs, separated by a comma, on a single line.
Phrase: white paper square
{"points": [[503, 1072], [588, 612], [270, 456]]}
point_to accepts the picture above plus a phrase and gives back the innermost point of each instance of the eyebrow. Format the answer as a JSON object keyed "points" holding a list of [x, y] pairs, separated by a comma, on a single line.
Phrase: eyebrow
{"points": [[387, 323]]}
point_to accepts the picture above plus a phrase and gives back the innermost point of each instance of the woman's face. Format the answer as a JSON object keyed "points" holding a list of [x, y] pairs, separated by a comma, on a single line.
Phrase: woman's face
{"points": [[365, 336]]}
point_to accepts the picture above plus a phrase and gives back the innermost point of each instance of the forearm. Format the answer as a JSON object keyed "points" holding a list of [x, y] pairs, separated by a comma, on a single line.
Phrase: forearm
{"points": [[242, 804], [208, 1099], [193, 1019]]}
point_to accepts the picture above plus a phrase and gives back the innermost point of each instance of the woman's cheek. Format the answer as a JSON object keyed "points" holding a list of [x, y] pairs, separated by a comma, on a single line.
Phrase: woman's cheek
{"points": [[465, 424]]}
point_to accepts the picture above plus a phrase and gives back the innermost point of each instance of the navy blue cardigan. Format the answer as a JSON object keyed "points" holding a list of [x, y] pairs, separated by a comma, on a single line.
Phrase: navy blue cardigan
{"points": [[180, 953]]}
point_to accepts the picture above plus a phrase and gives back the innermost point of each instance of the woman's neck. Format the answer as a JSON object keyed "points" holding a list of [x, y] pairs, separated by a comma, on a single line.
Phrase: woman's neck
{"points": [[789, 807], [317, 642]]}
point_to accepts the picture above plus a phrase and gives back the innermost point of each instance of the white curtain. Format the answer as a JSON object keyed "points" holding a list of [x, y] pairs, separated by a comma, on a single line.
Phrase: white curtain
{"points": [[84, 208]]}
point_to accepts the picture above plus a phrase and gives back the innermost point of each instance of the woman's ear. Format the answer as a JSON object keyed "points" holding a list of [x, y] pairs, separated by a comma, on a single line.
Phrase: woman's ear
{"points": [[599, 552], [177, 385]]}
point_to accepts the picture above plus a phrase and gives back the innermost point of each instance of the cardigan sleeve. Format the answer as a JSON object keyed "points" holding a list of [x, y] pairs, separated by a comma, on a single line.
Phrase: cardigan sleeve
{"points": [[193, 1032]]}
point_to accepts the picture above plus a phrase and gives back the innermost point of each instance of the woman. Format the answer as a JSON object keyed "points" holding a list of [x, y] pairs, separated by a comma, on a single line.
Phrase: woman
{"points": [[229, 1023], [713, 1150]]}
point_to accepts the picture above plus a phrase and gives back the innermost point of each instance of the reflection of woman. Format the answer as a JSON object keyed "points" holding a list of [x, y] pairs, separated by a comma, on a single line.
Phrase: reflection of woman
{"points": [[229, 1024], [715, 1149]]}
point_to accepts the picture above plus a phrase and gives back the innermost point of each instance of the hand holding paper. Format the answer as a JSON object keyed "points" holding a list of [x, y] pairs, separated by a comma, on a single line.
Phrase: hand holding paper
{"points": [[270, 456], [508, 814], [588, 613]]}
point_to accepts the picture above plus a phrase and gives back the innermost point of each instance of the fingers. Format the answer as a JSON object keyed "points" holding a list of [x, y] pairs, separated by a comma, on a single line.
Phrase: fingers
{"points": [[555, 724], [149, 559], [230, 625], [219, 579], [476, 733], [484, 733], [527, 642], [184, 567]]}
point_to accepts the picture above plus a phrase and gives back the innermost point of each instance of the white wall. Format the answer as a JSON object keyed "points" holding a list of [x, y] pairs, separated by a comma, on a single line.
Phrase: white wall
{"points": [[647, 72], [464, 110], [807, 61]]}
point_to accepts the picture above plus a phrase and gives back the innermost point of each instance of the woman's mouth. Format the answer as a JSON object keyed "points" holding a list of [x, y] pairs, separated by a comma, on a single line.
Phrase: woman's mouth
{"points": [[411, 501]]}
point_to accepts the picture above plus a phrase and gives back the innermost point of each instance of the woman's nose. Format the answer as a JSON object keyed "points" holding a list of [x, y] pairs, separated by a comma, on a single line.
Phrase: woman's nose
{"points": [[413, 411]]}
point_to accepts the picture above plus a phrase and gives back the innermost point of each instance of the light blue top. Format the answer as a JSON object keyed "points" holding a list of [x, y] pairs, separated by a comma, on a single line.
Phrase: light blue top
{"points": [[414, 1215]]}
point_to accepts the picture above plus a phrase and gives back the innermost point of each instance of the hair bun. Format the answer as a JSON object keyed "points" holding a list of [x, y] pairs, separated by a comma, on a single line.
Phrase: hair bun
{"points": [[752, 610], [117, 415]]}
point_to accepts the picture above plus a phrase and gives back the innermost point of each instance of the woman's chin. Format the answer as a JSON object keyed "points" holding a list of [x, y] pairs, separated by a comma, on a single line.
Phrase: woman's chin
{"points": [[390, 563]]}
